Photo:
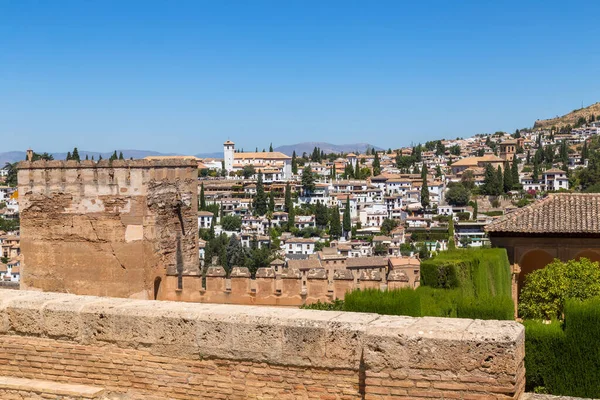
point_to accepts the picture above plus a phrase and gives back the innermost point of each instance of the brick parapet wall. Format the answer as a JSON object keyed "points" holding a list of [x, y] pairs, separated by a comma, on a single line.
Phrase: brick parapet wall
{"points": [[218, 351]]}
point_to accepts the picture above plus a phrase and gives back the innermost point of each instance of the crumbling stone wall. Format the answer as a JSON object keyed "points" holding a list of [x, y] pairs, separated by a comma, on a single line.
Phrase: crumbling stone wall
{"points": [[211, 351], [107, 228]]}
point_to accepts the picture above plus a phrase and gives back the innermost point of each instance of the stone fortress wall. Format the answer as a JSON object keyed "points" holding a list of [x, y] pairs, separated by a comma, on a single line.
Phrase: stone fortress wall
{"points": [[138, 349], [288, 287], [107, 228]]}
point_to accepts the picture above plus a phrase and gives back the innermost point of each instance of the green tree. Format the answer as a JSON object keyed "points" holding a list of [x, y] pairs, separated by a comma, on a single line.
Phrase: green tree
{"points": [[347, 220], [294, 163], [490, 180], [475, 209], [545, 291], [235, 254], [248, 171], [257, 257], [291, 219], [121, 156], [287, 203], [335, 227], [438, 171], [231, 223], [308, 180], [75, 155], [457, 195], [321, 215], [388, 225], [260, 199], [271, 148], [376, 165], [202, 198], [11, 171], [271, 201], [333, 172], [507, 181], [584, 151], [514, 170], [69, 157], [424, 189], [499, 181], [114, 156], [535, 175]]}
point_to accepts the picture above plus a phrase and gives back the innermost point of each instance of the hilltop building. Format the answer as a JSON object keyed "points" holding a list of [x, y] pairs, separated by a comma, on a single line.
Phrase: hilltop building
{"points": [[274, 166]]}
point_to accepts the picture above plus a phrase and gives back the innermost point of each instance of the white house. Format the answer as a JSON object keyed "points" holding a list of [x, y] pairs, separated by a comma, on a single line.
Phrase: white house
{"points": [[555, 179], [299, 246]]}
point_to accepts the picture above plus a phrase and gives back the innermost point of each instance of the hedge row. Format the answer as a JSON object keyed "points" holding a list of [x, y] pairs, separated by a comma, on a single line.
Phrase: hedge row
{"points": [[564, 359]]}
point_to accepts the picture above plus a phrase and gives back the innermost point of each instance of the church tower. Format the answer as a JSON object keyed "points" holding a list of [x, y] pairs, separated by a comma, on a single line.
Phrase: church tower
{"points": [[228, 150]]}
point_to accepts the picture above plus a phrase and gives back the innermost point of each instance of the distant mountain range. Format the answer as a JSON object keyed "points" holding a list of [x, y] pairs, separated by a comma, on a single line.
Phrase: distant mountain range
{"points": [[13, 156], [308, 147]]}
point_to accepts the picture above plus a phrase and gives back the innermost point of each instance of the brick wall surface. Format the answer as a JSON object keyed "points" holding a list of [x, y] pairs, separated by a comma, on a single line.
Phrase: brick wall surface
{"points": [[173, 350]]}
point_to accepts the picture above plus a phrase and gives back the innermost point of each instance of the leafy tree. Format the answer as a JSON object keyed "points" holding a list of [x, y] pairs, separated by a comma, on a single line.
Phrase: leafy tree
{"points": [[11, 170], [455, 150], [376, 165], [457, 195], [467, 179], [294, 163], [388, 225], [424, 189], [287, 204], [260, 200], [321, 215], [235, 254], [248, 171], [271, 201], [347, 221], [257, 257], [75, 155], [438, 171], [335, 227], [308, 180], [231, 223], [545, 291], [202, 198]]}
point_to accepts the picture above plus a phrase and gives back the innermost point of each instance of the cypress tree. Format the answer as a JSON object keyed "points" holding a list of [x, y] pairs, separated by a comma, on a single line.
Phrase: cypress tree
{"points": [[92, 158], [475, 209], [515, 171], [507, 181], [490, 180], [121, 156], [376, 164], [86, 157], [335, 227], [75, 155], [291, 219], [536, 171], [287, 204], [100, 157], [271, 148], [499, 182], [357, 173], [68, 156], [584, 151], [260, 200], [202, 199], [114, 156], [347, 221], [271, 201], [294, 163], [424, 189]]}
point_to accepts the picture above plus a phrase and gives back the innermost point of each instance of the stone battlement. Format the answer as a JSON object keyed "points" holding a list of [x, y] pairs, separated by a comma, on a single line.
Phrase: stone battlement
{"points": [[291, 287], [142, 163], [187, 351]]}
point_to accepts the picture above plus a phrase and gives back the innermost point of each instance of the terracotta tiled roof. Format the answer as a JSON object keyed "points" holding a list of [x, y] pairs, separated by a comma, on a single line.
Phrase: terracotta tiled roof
{"points": [[562, 213]]}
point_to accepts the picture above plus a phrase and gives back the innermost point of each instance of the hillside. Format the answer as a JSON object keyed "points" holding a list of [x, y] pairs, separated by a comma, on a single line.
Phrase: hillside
{"points": [[570, 118], [307, 147]]}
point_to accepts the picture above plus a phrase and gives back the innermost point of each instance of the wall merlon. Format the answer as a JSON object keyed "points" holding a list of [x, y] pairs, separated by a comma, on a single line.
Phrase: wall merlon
{"points": [[103, 164]]}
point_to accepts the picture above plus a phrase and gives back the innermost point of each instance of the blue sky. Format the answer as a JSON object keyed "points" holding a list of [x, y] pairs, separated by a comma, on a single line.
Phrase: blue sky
{"points": [[183, 76]]}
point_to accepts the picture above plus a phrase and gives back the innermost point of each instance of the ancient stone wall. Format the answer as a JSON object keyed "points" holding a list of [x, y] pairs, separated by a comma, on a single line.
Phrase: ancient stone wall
{"points": [[107, 228], [275, 289], [189, 351]]}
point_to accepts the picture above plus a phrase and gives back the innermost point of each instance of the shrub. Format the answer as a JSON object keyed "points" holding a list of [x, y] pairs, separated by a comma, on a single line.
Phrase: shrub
{"points": [[546, 290], [564, 359]]}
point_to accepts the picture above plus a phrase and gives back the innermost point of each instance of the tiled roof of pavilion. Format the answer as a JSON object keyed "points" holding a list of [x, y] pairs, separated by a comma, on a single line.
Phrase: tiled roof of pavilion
{"points": [[563, 213]]}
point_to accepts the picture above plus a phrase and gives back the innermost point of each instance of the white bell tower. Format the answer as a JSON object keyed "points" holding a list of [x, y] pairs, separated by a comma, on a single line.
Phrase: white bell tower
{"points": [[228, 150]]}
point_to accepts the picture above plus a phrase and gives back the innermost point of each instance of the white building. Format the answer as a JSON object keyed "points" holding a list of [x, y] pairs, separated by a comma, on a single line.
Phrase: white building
{"points": [[299, 246], [555, 179], [274, 166], [205, 219]]}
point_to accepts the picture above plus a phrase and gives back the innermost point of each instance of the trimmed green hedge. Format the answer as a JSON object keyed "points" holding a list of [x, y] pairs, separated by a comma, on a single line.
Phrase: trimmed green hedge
{"points": [[564, 359], [461, 283]]}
